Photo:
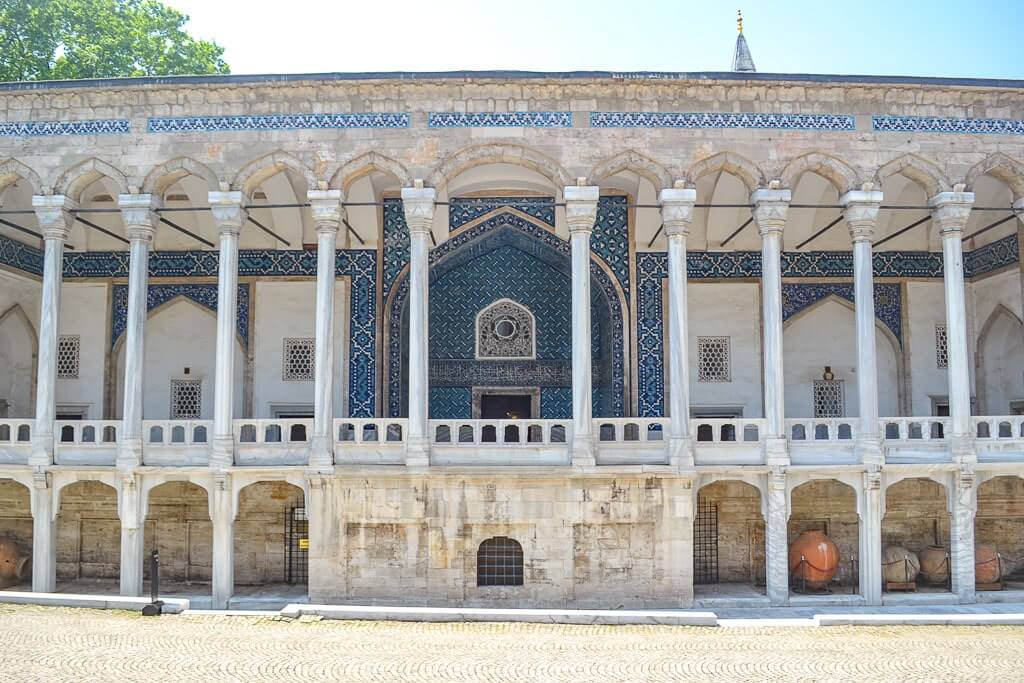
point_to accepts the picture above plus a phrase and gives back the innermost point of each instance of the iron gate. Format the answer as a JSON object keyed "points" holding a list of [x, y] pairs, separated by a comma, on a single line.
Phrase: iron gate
{"points": [[296, 546], [705, 543]]}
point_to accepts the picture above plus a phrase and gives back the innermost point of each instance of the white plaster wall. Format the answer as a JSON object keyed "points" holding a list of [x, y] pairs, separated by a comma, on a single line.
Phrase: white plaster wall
{"points": [[19, 315], [178, 335], [989, 293], [926, 308], [825, 335], [84, 311], [727, 310], [288, 309], [997, 340]]}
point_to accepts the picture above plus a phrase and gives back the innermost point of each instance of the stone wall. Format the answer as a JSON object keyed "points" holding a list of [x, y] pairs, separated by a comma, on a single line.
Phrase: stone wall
{"points": [[16, 514], [88, 532], [830, 506], [1000, 519], [178, 526], [916, 515], [741, 527], [260, 531]]}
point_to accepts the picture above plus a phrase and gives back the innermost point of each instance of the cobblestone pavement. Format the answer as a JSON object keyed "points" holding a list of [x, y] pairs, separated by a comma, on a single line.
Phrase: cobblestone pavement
{"points": [[55, 644]]}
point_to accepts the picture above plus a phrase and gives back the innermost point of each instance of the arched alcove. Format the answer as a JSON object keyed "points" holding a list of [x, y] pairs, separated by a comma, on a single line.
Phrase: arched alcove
{"points": [[1000, 364], [178, 526], [1000, 522], [89, 537], [271, 521], [829, 506], [16, 524], [917, 517], [728, 539], [18, 349]]}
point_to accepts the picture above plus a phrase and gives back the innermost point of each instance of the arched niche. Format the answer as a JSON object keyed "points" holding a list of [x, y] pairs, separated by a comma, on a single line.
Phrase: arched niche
{"points": [[830, 506], [178, 526], [88, 535], [263, 545], [18, 350], [729, 522], [1000, 363]]}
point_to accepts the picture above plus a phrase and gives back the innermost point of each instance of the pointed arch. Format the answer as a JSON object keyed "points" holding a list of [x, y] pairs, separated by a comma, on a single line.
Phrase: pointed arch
{"points": [[368, 162], [917, 169], [636, 162], [257, 171], [74, 180], [15, 316], [480, 155], [12, 170], [741, 167], [1000, 313], [842, 176], [166, 174], [1001, 167]]}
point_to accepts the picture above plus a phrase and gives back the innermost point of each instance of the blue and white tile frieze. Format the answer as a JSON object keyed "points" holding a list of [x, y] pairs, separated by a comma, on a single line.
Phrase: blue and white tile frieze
{"points": [[462, 210], [15, 254], [201, 124], [158, 294], [943, 124], [16, 129], [993, 256], [622, 119], [511, 119]]}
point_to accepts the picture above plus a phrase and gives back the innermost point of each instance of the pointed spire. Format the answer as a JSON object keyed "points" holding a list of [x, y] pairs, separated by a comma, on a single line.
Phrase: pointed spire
{"points": [[741, 60]]}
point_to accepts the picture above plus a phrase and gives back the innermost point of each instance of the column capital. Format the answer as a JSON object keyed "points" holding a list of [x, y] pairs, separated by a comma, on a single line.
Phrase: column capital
{"points": [[860, 209], [950, 211], [139, 214], [327, 209], [677, 209], [770, 209], [53, 211], [228, 211], [581, 207], [418, 205], [1018, 208]]}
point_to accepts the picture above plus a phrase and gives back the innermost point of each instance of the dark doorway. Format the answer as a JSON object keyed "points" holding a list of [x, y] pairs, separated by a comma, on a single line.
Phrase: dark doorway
{"points": [[501, 407]]}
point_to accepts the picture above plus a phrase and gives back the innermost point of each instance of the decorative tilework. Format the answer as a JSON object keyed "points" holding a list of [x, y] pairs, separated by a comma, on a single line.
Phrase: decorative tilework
{"points": [[194, 124], [451, 403], [610, 239], [396, 242], [556, 403], [16, 254], [939, 124], [361, 267], [512, 119], [42, 128], [841, 122], [651, 269], [888, 301], [157, 294], [462, 210], [993, 256]]}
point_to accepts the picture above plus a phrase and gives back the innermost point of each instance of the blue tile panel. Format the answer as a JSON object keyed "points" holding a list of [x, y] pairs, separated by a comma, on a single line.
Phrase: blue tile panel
{"points": [[396, 243], [451, 403], [512, 119], [158, 294], [941, 124], [16, 254], [610, 239], [622, 119], [197, 124], [556, 403], [44, 128], [888, 300], [462, 210], [993, 256]]}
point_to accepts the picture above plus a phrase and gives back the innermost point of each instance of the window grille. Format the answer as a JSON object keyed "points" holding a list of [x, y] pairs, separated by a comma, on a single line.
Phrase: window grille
{"points": [[186, 399], [499, 562], [69, 351], [941, 347], [299, 359], [705, 542], [713, 359], [505, 329], [829, 398]]}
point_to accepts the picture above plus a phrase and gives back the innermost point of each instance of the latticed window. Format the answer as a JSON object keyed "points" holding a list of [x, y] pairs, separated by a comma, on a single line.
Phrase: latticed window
{"points": [[505, 329], [186, 399], [299, 359], [941, 347], [829, 400], [69, 353], [499, 562], [713, 359]]}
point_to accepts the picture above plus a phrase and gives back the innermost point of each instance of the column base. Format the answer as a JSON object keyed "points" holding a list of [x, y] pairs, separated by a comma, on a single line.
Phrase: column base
{"points": [[680, 453], [222, 454], [776, 452], [129, 454], [582, 453], [417, 452], [321, 452]]}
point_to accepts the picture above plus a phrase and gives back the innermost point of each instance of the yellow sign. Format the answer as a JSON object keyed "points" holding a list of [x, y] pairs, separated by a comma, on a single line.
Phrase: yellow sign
{"points": [[303, 544]]}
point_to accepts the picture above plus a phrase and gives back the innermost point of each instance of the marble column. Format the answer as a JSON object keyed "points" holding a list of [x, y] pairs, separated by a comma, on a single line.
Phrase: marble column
{"points": [[676, 216], [326, 574], [950, 212], [222, 515], [776, 539], [44, 534], [770, 209], [861, 214], [581, 213], [961, 536], [327, 216], [418, 204], [870, 538], [1018, 208], [129, 510], [140, 220], [53, 212], [229, 216]]}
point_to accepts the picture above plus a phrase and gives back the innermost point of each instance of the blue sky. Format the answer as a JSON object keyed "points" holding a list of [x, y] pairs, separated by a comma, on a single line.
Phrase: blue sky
{"points": [[898, 37]]}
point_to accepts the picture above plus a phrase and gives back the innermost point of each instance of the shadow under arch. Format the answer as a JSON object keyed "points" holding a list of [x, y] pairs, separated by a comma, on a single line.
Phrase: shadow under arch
{"points": [[499, 228]]}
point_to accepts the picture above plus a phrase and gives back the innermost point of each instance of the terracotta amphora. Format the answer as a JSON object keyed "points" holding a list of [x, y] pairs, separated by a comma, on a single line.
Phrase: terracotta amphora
{"points": [[820, 555]]}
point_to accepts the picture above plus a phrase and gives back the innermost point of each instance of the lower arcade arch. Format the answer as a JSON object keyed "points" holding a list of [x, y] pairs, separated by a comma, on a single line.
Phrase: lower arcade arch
{"points": [[728, 539], [16, 530], [829, 507], [999, 524], [88, 537], [178, 526], [269, 530], [916, 536]]}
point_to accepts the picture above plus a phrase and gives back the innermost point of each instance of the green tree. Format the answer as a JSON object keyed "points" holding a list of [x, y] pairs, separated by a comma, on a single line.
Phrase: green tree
{"points": [[58, 39]]}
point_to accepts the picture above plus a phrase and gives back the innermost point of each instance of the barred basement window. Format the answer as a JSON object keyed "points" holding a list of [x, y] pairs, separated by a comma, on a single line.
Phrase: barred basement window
{"points": [[941, 347], [186, 399], [713, 359], [69, 352], [499, 562], [299, 359], [829, 398]]}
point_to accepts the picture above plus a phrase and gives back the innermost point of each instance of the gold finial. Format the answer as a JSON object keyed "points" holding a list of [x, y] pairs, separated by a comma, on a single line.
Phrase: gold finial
{"points": [[739, 20]]}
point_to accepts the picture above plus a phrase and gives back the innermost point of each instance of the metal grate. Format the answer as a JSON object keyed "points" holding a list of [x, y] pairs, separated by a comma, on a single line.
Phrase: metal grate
{"points": [[705, 543], [941, 346], [713, 359], [499, 562], [296, 546]]}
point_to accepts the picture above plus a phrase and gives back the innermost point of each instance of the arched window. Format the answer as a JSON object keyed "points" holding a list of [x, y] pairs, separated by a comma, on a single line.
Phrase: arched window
{"points": [[505, 329], [499, 562]]}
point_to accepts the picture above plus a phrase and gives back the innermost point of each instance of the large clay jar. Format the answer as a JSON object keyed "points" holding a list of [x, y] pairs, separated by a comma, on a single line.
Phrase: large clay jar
{"points": [[934, 565], [821, 555], [899, 565], [14, 567], [986, 564]]}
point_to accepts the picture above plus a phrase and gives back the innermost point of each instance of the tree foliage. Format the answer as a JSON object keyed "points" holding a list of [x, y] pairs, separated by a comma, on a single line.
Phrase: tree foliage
{"points": [[59, 39]]}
